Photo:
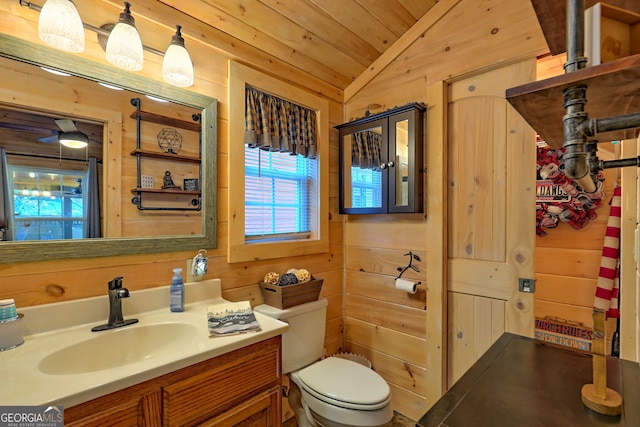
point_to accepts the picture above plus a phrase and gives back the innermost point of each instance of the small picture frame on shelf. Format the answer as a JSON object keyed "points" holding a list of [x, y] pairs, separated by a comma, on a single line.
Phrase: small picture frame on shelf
{"points": [[191, 184]]}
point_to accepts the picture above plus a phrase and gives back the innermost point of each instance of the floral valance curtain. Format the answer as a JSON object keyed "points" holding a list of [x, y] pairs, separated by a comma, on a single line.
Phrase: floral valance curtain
{"points": [[365, 149], [274, 124]]}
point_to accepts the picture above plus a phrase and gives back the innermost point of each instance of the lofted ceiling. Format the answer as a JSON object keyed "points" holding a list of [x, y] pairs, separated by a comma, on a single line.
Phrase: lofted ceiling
{"points": [[333, 40]]}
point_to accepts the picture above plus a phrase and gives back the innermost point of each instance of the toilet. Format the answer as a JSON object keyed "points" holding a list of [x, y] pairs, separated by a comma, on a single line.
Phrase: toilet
{"points": [[333, 392]]}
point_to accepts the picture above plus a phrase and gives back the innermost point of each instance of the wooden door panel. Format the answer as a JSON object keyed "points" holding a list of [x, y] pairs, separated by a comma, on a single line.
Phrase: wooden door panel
{"points": [[491, 215], [474, 324]]}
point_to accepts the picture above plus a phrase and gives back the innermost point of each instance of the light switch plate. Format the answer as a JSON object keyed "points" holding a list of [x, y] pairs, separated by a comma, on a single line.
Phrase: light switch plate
{"points": [[526, 285]]}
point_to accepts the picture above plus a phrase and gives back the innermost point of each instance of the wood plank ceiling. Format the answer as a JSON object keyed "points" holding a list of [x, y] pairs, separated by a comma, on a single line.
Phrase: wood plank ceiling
{"points": [[333, 40]]}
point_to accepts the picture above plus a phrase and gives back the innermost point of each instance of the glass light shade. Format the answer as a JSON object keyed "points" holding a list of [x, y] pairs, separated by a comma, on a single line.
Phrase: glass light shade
{"points": [[60, 26], [74, 139], [177, 68], [124, 47]]}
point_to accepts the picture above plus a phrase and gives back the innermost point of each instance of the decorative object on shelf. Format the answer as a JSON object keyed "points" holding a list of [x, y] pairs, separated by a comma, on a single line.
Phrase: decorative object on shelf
{"points": [[168, 182], [560, 199], [191, 184], [170, 141], [60, 26], [146, 181]]}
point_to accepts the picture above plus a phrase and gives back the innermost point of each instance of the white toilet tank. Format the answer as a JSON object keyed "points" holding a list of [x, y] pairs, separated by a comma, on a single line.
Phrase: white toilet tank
{"points": [[303, 343]]}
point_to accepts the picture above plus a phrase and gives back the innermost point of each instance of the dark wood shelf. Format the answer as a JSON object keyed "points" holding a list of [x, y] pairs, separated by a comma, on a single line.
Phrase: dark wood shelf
{"points": [[161, 191], [552, 16], [613, 89], [163, 120], [166, 156]]}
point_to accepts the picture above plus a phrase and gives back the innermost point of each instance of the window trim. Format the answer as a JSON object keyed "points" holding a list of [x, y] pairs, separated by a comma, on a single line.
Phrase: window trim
{"points": [[237, 248]]}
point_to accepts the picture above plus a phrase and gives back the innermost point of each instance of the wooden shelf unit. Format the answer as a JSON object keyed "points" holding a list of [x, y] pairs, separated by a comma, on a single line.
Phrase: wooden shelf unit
{"points": [[613, 89], [141, 115]]}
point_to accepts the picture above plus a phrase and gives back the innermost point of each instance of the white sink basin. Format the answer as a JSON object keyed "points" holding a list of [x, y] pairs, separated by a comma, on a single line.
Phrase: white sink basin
{"points": [[117, 347]]}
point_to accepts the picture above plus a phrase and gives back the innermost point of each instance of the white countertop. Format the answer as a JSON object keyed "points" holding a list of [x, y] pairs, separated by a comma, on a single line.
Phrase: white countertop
{"points": [[52, 327]]}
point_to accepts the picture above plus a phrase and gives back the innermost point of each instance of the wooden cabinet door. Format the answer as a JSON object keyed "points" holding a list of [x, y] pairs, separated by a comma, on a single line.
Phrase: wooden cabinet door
{"points": [[259, 411], [128, 408], [491, 214]]}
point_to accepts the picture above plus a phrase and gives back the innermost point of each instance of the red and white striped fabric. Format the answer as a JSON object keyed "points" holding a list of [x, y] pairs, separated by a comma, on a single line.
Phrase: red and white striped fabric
{"points": [[608, 286]]}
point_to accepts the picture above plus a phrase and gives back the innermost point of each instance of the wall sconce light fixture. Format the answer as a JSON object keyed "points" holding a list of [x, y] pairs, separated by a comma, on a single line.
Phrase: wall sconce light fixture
{"points": [[124, 47], [177, 68], [121, 41], [60, 26]]}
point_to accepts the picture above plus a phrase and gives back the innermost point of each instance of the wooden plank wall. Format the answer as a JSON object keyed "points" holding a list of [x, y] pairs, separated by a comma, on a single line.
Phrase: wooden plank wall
{"points": [[492, 33], [36, 282]]}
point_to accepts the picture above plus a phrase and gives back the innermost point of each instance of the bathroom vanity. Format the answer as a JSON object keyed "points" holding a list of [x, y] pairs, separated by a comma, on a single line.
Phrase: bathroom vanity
{"points": [[243, 385], [164, 370]]}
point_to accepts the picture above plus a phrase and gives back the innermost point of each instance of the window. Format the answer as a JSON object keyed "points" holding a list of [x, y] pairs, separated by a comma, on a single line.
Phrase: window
{"points": [[278, 202], [47, 204], [277, 195]]}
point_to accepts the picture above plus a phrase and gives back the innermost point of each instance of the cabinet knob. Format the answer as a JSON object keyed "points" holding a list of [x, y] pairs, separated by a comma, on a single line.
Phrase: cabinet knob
{"points": [[391, 164], [383, 166]]}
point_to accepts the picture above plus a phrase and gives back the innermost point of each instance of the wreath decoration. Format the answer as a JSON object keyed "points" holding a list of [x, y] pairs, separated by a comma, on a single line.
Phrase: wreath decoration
{"points": [[559, 198]]}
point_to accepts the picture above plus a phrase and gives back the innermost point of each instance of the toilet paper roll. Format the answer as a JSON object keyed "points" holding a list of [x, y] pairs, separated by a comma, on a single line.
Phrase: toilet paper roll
{"points": [[406, 285]]}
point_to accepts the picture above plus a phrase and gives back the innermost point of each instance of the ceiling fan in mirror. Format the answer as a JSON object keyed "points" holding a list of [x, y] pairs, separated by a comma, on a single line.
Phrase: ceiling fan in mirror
{"points": [[69, 135]]}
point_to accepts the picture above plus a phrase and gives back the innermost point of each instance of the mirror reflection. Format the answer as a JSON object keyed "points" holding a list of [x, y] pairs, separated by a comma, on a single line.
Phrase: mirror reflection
{"points": [[362, 157], [55, 187], [48, 189], [51, 187], [401, 167]]}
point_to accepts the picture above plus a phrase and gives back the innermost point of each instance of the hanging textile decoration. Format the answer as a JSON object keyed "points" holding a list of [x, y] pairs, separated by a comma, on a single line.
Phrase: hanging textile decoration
{"points": [[608, 286], [275, 124], [559, 198]]}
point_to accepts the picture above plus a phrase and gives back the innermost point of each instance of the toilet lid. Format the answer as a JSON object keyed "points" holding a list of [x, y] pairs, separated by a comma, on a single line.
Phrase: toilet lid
{"points": [[345, 381]]}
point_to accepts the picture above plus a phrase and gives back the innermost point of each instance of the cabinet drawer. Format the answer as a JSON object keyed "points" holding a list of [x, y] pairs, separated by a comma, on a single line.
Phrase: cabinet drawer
{"points": [[206, 394]]}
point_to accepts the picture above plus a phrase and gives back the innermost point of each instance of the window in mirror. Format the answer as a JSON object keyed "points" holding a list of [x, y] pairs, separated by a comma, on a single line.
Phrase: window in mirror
{"points": [[366, 176], [47, 204]]}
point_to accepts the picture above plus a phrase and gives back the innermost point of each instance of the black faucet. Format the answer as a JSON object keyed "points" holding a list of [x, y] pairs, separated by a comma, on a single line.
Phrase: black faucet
{"points": [[116, 320]]}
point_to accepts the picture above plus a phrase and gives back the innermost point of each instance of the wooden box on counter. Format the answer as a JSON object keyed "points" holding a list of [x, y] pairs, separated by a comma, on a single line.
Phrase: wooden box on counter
{"points": [[291, 295]]}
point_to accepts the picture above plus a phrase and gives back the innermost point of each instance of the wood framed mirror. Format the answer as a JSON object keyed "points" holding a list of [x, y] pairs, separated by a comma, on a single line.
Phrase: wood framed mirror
{"points": [[20, 251]]}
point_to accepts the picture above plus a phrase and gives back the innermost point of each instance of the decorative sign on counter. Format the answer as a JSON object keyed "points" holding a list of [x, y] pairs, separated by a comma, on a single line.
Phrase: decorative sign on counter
{"points": [[565, 333]]}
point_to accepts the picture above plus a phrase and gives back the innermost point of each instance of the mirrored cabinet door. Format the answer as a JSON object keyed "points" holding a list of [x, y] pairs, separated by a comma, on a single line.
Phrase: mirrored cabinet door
{"points": [[364, 175], [381, 162]]}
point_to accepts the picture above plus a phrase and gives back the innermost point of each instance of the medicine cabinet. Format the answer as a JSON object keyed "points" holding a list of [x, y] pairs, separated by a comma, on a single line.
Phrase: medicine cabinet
{"points": [[381, 162]]}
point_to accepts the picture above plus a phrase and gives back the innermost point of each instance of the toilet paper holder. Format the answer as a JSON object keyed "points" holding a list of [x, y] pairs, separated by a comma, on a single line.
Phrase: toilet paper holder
{"points": [[411, 256]]}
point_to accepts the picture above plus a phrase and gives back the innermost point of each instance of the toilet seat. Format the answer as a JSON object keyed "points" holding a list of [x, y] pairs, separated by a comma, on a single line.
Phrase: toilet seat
{"points": [[345, 383]]}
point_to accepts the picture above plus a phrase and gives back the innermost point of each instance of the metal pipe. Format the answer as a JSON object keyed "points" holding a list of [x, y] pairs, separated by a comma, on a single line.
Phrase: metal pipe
{"points": [[620, 163], [575, 36], [575, 119], [626, 121]]}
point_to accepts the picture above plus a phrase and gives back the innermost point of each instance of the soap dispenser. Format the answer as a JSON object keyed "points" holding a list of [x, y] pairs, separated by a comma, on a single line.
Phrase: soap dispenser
{"points": [[176, 291]]}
